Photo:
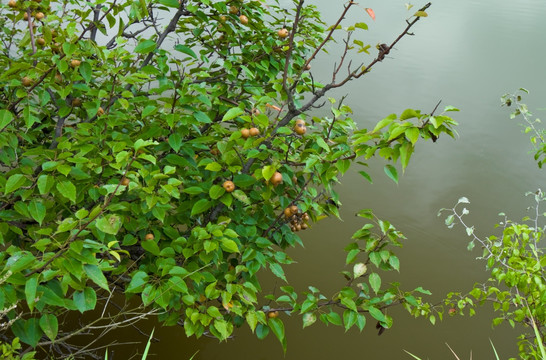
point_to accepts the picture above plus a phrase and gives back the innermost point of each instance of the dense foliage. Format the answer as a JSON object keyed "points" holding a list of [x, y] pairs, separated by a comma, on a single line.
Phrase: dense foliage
{"points": [[515, 259], [174, 161]]}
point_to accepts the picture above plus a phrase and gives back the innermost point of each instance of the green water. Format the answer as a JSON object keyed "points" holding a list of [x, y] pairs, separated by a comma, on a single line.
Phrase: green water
{"points": [[467, 54]]}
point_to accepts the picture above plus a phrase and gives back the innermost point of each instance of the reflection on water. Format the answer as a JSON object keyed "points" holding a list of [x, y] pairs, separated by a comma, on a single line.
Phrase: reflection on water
{"points": [[467, 54]]}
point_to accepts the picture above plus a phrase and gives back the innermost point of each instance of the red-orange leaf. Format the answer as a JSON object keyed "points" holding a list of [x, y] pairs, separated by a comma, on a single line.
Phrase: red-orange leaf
{"points": [[371, 13]]}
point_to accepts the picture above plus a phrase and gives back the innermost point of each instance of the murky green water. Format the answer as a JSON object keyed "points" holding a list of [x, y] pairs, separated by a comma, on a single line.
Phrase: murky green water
{"points": [[467, 54]]}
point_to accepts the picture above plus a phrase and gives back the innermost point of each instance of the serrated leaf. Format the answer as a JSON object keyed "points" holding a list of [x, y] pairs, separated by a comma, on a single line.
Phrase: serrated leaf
{"points": [[277, 270], [232, 113]]}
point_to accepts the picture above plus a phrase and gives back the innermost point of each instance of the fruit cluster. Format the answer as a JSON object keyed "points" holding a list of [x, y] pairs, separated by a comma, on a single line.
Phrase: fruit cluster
{"points": [[36, 7], [246, 133], [298, 221]]}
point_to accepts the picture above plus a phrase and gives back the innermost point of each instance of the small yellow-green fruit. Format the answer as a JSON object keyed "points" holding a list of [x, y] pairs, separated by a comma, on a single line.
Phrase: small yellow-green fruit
{"points": [[75, 63], [100, 111], [26, 81], [272, 314], [244, 19], [300, 128], [39, 16], [233, 9], [40, 41], [12, 3]]}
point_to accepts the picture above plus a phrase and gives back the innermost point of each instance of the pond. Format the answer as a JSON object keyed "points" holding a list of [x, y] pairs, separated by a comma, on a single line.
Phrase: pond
{"points": [[467, 54]]}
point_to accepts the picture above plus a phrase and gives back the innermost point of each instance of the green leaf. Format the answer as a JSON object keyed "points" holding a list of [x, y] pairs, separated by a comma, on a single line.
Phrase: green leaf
{"points": [[277, 270], [186, 50], [277, 326], [412, 134], [268, 171], [229, 245], [200, 207], [95, 274], [216, 191], [67, 190], [145, 47], [170, 3], [28, 331], [37, 210], [386, 121], [86, 71], [391, 172], [349, 318], [18, 261], [50, 325], [213, 166], [175, 141], [376, 314], [45, 183], [232, 113], [14, 182], [85, 300], [109, 225], [309, 319], [151, 246], [375, 282], [262, 331], [30, 290], [6, 117], [408, 114], [366, 176]]}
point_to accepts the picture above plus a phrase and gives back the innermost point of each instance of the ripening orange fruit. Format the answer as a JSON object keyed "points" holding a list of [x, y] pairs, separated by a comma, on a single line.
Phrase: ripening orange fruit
{"points": [[276, 179], [283, 33], [149, 236], [229, 186], [272, 314], [39, 16], [245, 133], [243, 19], [125, 181], [254, 131], [100, 111], [75, 63]]}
